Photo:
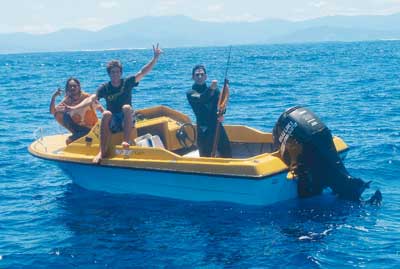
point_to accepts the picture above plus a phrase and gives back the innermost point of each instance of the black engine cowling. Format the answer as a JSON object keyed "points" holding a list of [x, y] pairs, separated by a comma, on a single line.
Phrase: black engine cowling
{"points": [[306, 146]]}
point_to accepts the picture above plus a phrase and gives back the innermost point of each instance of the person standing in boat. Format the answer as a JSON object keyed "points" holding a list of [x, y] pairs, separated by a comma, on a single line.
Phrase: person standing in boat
{"points": [[204, 102], [119, 115], [78, 121]]}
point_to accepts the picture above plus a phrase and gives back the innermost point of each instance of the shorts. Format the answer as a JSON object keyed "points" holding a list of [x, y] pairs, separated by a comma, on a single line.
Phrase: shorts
{"points": [[77, 130], [117, 121]]}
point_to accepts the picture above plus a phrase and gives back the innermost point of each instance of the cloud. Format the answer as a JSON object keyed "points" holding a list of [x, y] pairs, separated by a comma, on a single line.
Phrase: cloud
{"points": [[317, 4], [38, 7], [91, 23], [244, 17], [38, 29], [215, 8], [109, 4], [169, 3], [165, 7]]}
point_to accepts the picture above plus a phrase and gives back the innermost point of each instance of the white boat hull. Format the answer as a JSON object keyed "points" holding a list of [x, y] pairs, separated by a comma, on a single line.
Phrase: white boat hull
{"points": [[185, 186]]}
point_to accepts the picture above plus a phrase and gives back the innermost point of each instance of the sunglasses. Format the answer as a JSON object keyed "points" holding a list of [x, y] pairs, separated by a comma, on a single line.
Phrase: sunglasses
{"points": [[199, 75]]}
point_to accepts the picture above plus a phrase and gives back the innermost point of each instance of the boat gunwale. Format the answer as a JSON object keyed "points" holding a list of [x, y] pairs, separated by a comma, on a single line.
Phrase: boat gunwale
{"points": [[249, 177]]}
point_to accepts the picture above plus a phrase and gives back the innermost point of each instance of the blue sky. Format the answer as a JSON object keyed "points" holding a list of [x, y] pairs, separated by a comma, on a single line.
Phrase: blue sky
{"points": [[43, 16]]}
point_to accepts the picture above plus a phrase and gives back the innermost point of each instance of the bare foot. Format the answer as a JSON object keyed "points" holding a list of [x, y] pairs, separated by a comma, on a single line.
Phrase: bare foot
{"points": [[98, 158], [125, 145]]}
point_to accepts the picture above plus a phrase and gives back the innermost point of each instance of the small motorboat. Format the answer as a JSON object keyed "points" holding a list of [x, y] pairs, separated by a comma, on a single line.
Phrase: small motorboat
{"points": [[300, 158]]}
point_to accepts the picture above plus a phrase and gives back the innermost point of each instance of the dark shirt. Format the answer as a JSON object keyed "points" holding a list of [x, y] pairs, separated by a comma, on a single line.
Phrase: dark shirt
{"points": [[204, 102], [117, 97]]}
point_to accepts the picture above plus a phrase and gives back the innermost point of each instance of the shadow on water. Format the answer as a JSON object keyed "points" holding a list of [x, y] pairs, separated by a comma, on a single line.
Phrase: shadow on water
{"points": [[131, 230]]}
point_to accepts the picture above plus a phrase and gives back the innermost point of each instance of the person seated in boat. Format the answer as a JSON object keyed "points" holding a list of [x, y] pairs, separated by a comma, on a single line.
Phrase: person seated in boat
{"points": [[78, 121], [204, 102], [119, 115]]}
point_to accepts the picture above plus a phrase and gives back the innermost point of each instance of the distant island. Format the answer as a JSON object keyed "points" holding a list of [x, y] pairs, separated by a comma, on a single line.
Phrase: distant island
{"points": [[182, 31]]}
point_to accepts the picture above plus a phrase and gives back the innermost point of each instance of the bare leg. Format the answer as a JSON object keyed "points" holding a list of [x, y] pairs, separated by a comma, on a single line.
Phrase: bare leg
{"points": [[127, 110], [105, 135], [59, 116]]}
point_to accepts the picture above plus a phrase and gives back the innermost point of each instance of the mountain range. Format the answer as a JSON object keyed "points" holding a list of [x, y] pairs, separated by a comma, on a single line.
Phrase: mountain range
{"points": [[182, 31]]}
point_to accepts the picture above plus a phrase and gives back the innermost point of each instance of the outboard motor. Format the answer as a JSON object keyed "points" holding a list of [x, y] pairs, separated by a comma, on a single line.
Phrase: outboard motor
{"points": [[306, 146]]}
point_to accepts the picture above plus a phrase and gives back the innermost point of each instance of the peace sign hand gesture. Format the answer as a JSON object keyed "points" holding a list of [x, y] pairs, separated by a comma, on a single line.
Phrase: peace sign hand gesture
{"points": [[157, 51], [58, 92]]}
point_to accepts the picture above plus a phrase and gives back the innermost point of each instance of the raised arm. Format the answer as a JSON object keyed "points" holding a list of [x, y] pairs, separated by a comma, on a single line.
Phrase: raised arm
{"points": [[52, 108], [147, 68]]}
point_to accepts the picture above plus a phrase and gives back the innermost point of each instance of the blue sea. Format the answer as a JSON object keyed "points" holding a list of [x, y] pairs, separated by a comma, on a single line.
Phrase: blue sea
{"points": [[46, 221]]}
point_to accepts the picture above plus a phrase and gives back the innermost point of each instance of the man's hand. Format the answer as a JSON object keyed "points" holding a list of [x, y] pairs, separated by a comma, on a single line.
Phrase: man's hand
{"points": [[157, 51], [61, 108], [98, 106], [68, 108], [214, 84], [149, 66], [57, 93]]}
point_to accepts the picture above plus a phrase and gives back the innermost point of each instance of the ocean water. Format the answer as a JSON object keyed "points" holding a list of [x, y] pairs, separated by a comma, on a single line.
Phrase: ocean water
{"points": [[46, 221]]}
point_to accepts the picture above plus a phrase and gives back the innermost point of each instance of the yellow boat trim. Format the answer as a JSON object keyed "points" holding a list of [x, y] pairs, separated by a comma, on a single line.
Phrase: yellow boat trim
{"points": [[165, 122]]}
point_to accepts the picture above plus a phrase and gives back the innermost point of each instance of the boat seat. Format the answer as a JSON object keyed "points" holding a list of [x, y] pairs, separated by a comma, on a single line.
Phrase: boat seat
{"points": [[165, 128], [193, 154], [116, 139], [148, 140]]}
